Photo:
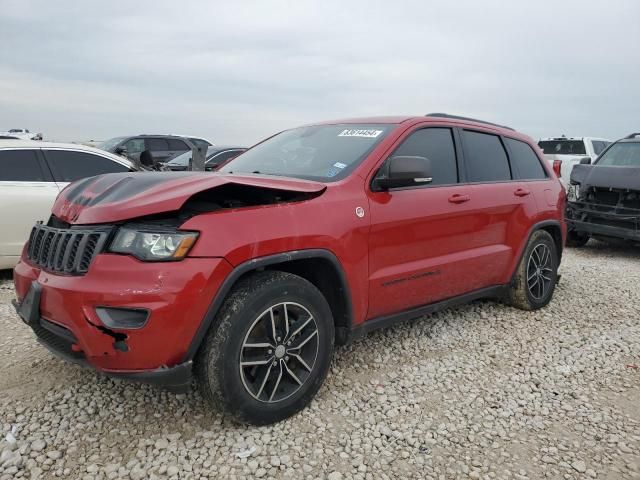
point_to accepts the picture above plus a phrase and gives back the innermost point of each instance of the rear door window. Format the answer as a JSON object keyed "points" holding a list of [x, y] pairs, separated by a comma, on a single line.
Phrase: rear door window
{"points": [[69, 166], [526, 163], [157, 144], [20, 166], [437, 145], [485, 157]]}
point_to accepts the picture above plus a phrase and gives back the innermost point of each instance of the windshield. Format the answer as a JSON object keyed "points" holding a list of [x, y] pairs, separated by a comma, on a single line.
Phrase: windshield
{"points": [[111, 143], [562, 147], [621, 155], [320, 152]]}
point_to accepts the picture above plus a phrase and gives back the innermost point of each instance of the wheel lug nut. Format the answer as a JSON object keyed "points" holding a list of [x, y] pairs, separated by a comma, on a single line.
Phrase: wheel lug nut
{"points": [[270, 352], [286, 359], [274, 363]]}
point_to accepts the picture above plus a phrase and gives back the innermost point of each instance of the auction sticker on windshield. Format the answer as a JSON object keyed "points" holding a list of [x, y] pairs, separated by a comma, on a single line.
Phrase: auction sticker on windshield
{"points": [[360, 133]]}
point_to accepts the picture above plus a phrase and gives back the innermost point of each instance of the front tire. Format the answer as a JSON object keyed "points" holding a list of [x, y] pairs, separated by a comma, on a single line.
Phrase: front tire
{"points": [[269, 349], [537, 274]]}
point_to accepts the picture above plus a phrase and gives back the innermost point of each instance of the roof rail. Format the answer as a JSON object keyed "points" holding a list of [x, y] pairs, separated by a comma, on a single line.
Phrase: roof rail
{"points": [[633, 135], [457, 117]]}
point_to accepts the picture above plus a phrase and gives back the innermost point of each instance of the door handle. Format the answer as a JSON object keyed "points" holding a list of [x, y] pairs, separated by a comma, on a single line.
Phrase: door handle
{"points": [[457, 198], [522, 192]]}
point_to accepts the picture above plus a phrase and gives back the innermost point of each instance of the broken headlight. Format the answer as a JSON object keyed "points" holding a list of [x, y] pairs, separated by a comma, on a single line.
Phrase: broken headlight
{"points": [[153, 246], [574, 192]]}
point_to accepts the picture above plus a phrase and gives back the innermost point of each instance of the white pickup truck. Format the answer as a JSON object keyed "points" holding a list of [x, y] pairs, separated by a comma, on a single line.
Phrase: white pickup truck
{"points": [[569, 151]]}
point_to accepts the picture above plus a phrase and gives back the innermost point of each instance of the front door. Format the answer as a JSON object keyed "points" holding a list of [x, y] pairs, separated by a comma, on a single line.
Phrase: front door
{"points": [[420, 236]]}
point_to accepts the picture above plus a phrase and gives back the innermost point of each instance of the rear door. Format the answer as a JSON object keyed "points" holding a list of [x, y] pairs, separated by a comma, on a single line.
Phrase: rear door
{"points": [[27, 193], [420, 236], [503, 207]]}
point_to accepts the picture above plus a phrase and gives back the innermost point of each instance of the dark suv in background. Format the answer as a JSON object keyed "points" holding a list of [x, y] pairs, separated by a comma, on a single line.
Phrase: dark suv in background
{"points": [[604, 198], [162, 147]]}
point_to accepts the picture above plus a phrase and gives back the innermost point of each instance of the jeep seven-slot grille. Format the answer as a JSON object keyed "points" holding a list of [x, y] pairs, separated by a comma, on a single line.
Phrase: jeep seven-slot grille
{"points": [[65, 250]]}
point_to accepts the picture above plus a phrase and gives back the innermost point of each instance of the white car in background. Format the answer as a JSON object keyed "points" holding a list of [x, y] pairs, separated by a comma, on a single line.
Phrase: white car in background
{"points": [[31, 176], [563, 153], [21, 134]]}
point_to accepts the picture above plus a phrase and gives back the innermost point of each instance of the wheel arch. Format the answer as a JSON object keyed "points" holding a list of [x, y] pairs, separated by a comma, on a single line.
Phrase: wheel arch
{"points": [[554, 229], [319, 266]]}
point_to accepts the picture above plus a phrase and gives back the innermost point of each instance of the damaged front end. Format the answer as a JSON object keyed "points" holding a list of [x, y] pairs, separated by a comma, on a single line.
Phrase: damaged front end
{"points": [[109, 281], [604, 202]]}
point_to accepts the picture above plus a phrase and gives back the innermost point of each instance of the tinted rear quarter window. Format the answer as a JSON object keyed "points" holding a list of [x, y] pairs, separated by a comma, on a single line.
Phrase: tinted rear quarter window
{"points": [[524, 160], [176, 144], [437, 145], [71, 166], [20, 166], [485, 157], [157, 144]]}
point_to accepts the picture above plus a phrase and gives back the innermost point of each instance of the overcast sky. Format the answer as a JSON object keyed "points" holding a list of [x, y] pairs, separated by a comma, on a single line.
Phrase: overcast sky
{"points": [[237, 71]]}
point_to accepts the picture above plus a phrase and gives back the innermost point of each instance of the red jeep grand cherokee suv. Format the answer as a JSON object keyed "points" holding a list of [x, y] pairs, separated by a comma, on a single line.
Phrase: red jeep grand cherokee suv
{"points": [[248, 277]]}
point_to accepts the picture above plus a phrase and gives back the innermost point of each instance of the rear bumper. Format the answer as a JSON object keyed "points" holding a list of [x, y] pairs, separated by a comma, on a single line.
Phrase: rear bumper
{"points": [[176, 295]]}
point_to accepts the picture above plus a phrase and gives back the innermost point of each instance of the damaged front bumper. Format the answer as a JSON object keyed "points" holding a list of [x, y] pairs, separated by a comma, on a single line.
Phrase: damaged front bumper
{"points": [[63, 311], [596, 219]]}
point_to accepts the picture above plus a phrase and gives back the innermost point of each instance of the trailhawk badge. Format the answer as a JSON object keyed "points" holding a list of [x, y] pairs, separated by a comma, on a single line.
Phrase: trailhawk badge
{"points": [[359, 212]]}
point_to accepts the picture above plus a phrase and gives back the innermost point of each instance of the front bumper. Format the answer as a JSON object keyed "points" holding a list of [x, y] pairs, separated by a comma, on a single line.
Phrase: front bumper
{"points": [[176, 294], [603, 220]]}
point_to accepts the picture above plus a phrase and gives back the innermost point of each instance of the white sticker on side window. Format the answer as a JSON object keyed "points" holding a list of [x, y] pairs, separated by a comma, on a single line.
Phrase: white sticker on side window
{"points": [[360, 133]]}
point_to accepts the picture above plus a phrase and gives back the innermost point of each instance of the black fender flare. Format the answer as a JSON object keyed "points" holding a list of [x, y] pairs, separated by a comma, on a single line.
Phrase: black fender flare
{"points": [[255, 264]]}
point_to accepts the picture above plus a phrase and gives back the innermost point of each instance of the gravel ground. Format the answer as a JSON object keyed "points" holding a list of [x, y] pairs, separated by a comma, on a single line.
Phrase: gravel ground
{"points": [[483, 391]]}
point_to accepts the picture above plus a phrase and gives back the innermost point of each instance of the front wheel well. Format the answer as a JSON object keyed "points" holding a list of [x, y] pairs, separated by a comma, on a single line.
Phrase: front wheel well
{"points": [[326, 277]]}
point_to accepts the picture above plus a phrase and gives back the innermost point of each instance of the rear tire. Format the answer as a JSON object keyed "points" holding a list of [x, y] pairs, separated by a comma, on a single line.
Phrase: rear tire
{"points": [[537, 274], [269, 349], [576, 240]]}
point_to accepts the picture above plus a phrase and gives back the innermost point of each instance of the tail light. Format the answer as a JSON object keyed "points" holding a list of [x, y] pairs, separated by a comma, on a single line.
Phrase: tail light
{"points": [[557, 165]]}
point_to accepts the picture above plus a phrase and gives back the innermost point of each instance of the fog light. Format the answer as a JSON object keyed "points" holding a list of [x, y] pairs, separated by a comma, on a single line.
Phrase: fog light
{"points": [[119, 318]]}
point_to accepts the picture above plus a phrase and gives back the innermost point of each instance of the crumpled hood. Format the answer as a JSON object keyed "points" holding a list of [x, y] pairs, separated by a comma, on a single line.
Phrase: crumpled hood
{"points": [[121, 196], [627, 178]]}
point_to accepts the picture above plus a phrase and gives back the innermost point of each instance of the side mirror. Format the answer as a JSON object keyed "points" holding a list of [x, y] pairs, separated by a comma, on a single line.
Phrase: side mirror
{"points": [[585, 161], [121, 151], [146, 158], [405, 171]]}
